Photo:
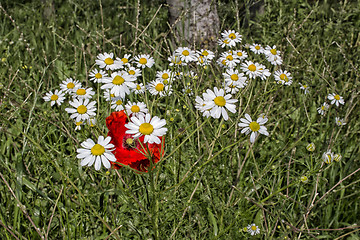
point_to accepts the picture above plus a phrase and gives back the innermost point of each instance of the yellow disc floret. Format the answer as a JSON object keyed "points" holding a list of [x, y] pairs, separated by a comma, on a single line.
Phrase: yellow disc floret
{"points": [[80, 91], [185, 53], [252, 67], [232, 36], [81, 109], [257, 47], [254, 126], [135, 109], [220, 101], [97, 150], [273, 51], [165, 76], [146, 128], [125, 60], [142, 61], [284, 77], [118, 102], [108, 61], [118, 80], [98, 75], [159, 87], [54, 97], [234, 77], [70, 85], [337, 97]]}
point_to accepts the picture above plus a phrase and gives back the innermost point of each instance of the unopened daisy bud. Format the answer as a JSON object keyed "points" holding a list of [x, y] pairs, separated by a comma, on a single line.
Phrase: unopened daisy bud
{"points": [[337, 157], [310, 147], [107, 173], [304, 179], [328, 157]]}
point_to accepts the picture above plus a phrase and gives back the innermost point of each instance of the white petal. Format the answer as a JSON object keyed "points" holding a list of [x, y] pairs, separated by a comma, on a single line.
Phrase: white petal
{"points": [[97, 163]]}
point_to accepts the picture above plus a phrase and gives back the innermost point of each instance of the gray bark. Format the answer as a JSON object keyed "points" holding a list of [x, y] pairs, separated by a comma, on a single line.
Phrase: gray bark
{"points": [[196, 22]]}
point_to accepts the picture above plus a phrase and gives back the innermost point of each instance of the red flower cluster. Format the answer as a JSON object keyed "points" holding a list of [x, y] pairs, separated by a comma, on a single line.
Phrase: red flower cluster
{"points": [[130, 151]]}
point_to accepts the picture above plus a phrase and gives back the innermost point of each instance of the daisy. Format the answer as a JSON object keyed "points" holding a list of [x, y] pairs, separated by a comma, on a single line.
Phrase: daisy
{"points": [[324, 107], [217, 101], [255, 127], [139, 88], [202, 61], [175, 60], [251, 69], [337, 157], [304, 87], [256, 48], [224, 43], [125, 60], [110, 96], [232, 76], [207, 54], [144, 60], [186, 54], [310, 147], [56, 97], [97, 76], [253, 229], [200, 105], [135, 72], [157, 87], [283, 77], [106, 61], [232, 87], [165, 76], [119, 83], [327, 157], [83, 109], [117, 104], [232, 36], [100, 152], [83, 93], [264, 72], [230, 59], [187, 90], [335, 98], [91, 121], [340, 122], [151, 128], [276, 60], [241, 55], [136, 109], [271, 52], [69, 84], [78, 125]]}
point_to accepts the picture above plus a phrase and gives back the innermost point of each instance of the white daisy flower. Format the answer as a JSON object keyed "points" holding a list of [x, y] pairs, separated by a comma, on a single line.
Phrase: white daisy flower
{"points": [[328, 156], [271, 52], [166, 76], [187, 90], [241, 55], [106, 61], [232, 88], [125, 60], [117, 104], [83, 109], [151, 128], [251, 69], [100, 152], [276, 60], [232, 36], [186, 54], [255, 127], [110, 96], [69, 84], [264, 72], [97, 76], [91, 121], [340, 121], [202, 61], [304, 87], [217, 101], [324, 107], [119, 83], [78, 125], [225, 42], [136, 109], [200, 105], [256, 48], [230, 59], [207, 54], [57, 97], [283, 77], [336, 98], [144, 60], [337, 157], [233, 76], [135, 72], [310, 147], [83, 93], [157, 87], [253, 229], [139, 88], [175, 60]]}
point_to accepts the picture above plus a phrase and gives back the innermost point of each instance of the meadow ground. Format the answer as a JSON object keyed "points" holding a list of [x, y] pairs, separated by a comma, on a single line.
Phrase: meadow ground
{"points": [[211, 182]]}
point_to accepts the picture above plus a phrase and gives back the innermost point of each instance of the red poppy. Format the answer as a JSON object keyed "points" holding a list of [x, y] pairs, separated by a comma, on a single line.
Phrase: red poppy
{"points": [[129, 151]]}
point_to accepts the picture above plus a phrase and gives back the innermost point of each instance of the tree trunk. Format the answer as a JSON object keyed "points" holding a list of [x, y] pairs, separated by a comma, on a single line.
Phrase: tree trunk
{"points": [[196, 22]]}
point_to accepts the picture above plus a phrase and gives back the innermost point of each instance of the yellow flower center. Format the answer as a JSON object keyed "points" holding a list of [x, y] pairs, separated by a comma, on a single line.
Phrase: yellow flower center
{"points": [[165, 81], [232, 35], [82, 109], [112, 95], [201, 59], [220, 101], [234, 77], [205, 53], [230, 58], [159, 87], [253, 228], [257, 47], [80, 91], [165, 76], [254, 126], [146, 128], [138, 87], [135, 109], [273, 51], [185, 53], [118, 102], [142, 61], [70, 85], [284, 77], [125, 60], [78, 123], [97, 150], [132, 72], [322, 107], [337, 97], [118, 80], [252, 67], [223, 62], [305, 86], [239, 54], [98, 75], [226, 41], [54, 97], [108, 61], [304, 178]]}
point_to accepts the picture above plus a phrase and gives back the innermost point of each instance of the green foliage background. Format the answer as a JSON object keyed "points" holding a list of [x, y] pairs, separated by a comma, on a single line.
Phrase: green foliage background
{"points": [[196, 193]]}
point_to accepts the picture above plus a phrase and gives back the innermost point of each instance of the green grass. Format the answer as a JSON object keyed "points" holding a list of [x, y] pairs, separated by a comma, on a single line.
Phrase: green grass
{"points": [[212, 182]]}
